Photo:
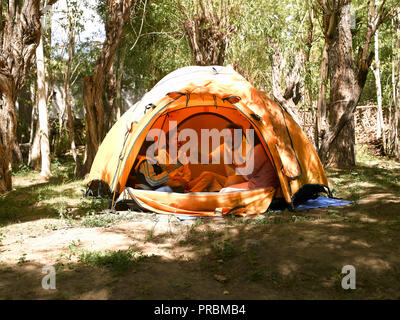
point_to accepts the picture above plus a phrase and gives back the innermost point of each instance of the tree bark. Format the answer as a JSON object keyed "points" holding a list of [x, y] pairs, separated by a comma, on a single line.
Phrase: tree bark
{"points": [[346, 85], [320, 125], [20, 37], [209, 31], [289, 97], [34, 155], [42, 110], [67, 89], [380, 127], [330, 17], [118, 87], [94, 85], [34, 139], [396, 120], [110, 92], [307, 81], [341, 76]]}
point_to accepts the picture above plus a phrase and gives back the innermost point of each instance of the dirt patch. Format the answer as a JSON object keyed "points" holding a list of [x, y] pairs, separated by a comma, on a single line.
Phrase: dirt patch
{"points": [[265, 257], [284, 255]]}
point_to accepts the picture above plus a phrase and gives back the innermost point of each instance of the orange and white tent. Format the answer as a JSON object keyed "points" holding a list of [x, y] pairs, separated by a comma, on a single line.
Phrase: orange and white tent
{"points": [[207, 98]]}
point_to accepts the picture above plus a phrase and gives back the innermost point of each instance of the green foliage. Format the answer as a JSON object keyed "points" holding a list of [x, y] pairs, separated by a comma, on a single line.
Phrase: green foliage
{"points": [[256, 275], [63, 145], [85, 53], [158, 49], [92, 205], [22, 169], [92, 220], [224, 249], [116, 261], [255, 22], [22, 260], [63, 168]]}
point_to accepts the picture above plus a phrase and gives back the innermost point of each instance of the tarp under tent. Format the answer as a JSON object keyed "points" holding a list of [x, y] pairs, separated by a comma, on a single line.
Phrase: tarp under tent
{"points": [[206, 98]]}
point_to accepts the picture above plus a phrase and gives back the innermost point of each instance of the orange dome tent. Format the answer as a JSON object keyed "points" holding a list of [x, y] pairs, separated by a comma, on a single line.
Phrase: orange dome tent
{"points": [[210, 97]]}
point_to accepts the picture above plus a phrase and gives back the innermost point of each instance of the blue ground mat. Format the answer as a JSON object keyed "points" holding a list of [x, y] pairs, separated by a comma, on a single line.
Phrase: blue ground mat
{"points": [[323, 202], [320, 202]]}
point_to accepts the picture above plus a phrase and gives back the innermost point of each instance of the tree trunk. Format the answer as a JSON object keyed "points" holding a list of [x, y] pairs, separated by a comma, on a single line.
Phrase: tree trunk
{"points": [[320, 125], [34, 155], [5, 174], [341, 73], [67, 89], [209, 31], [110, 93], [392, 132], [34, 139], [33, 113], [7, 136], [307, 82], [396, 121], [94, 85], [118, 87], [380, 129], [42, 109], [20, 37], [346, 85], [289, 97]]}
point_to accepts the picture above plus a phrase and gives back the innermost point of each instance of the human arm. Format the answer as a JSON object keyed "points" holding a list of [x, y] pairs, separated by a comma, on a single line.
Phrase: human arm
{"points": [[180, 177], [153, 179]]}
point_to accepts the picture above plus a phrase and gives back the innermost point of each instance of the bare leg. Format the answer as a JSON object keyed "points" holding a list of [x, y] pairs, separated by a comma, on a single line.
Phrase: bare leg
{"points": [[207, 179], [235, 179], [201, 182]]}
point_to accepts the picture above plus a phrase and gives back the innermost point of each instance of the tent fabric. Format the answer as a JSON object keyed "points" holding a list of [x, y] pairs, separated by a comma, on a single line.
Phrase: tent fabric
{"points": [[319, 202], [194, 92], [211, 204]]}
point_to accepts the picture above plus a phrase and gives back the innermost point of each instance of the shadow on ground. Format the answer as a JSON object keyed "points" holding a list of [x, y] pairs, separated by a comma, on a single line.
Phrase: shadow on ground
{"points": [[279, 256], [286, 255]]}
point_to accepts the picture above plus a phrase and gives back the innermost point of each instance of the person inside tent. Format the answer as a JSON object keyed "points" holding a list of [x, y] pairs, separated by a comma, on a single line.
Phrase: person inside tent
{"points": [[208, 181], [262, 175], [151, 176], [212, 181], [179, 177]]}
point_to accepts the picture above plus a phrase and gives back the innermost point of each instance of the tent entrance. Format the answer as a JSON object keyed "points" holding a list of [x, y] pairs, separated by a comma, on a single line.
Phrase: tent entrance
{"points": [[205, 117], [198, 118]]}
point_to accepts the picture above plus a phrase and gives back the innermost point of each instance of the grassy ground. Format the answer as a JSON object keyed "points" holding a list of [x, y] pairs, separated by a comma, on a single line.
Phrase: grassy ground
{"points": [[287, 255]]}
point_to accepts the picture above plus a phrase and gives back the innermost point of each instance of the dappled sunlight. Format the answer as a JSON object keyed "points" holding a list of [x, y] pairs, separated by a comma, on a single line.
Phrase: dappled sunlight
{"points": [[368, 220], [101, 294], [48, 248], [257, 254], [35, 197], [374, 264], [296, 255], [361, 243], [339, 239], [287, 268], [184, 146]]}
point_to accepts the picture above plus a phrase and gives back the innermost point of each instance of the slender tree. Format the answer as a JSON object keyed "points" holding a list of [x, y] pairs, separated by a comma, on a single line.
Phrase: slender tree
{"points": [[118, 81], [396, 93], [20, 35], [42, 106], [289, 96], [376, 69], [346, 77], [67, 83], [94, 86], [209, 30]]}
